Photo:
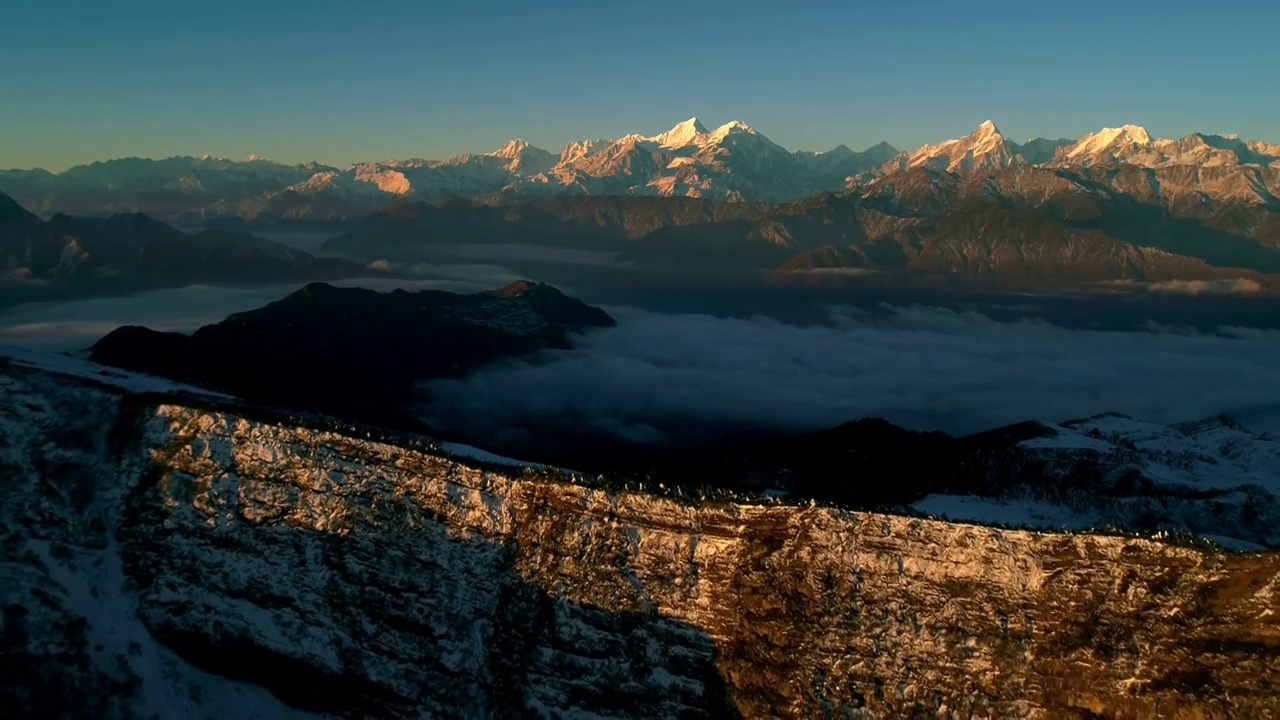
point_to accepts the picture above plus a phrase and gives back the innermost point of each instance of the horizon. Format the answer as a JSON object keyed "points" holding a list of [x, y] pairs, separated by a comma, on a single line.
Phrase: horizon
{"points": [[395, 79], [555, 148]]}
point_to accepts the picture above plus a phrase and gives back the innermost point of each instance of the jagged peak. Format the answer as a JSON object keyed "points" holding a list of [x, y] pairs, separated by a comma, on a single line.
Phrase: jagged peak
{"points": [[682, 134], [733, 127], [1134, 133], [513, 149], [578, 149], [986, 129], [1109, 137]]}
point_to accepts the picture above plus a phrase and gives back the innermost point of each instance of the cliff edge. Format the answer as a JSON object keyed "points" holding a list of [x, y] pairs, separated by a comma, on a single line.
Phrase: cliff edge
{"points": [[163, 553]]}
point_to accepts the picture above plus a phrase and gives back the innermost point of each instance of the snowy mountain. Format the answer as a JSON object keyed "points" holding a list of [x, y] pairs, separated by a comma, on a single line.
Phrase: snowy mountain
{"points": [[731, 162], [176, 554], [1024, 227], [1213, 478], [983, 149], [1132, 145]]}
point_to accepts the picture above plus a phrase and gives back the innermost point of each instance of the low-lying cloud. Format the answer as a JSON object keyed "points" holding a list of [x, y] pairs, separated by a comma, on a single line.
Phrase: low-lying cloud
{"points": [[922, 367], [1234, 286], [835, 271]]}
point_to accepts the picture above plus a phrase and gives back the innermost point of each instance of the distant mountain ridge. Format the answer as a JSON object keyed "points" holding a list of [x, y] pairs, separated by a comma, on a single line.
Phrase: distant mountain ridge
{"points": [[732, 162], [69, 256], [1024, 227]]}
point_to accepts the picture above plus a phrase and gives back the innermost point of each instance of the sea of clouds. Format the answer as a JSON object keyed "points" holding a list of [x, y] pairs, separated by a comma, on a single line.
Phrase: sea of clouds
{"points": [[919, 366], [922, 367]]}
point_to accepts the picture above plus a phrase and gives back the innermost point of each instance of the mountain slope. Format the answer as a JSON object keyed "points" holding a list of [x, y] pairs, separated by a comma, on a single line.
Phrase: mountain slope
{"points": [[171, 564]]}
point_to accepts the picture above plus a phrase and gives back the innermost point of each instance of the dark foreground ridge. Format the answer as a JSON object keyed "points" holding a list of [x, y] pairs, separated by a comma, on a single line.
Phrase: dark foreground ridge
{"points": [[352, 351]]}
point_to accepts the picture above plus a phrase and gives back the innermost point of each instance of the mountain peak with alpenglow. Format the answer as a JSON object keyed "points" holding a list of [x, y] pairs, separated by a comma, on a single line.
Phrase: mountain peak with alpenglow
{"points": [[511, 150], [727, 129], [987, 128], [682, 134], [984, 148], [1109, 139]]}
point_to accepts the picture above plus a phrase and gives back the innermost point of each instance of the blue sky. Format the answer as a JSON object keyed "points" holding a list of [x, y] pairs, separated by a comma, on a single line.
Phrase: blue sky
{"points": [[345, 81]]}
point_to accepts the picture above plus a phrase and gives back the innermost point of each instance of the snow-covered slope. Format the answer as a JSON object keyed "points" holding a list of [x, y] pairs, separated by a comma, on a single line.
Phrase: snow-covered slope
{"points": [[1212, 478], [1132, 145], [983, 149]]}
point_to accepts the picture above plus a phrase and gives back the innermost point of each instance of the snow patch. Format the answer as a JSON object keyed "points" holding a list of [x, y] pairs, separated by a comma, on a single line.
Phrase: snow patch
{"points": [[68, 365], [996, 511], [475, 453], [92, 584]]}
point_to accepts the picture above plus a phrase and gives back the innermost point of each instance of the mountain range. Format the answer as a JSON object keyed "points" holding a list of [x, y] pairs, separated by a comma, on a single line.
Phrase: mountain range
{"points": [[1179, 228], [732, 162], [1116, 210]]}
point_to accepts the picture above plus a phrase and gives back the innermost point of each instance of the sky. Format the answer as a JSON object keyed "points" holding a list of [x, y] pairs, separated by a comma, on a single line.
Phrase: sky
{"points": [[341, 82]]}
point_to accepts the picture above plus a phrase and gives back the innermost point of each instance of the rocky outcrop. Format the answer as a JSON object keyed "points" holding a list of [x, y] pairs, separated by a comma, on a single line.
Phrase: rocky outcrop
{"points": [[165, 553]]}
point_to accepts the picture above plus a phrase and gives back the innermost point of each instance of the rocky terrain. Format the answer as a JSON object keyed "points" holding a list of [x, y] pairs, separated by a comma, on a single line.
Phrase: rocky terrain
{"points": [[169, 553], [352, 350], [78, 256]]}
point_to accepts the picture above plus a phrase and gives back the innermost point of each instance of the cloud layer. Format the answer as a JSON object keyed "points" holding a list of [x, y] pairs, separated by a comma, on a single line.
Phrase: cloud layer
{"points": [[920, 367], [1236, 286], [657, 375]]}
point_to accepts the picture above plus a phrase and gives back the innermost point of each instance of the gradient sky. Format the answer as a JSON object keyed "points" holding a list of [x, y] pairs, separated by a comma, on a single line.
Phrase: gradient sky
{"points": [[344, 81]]}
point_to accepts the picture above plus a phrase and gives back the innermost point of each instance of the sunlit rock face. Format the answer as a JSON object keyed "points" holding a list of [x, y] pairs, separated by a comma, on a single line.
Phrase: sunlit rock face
{"points": [[168, 555]]}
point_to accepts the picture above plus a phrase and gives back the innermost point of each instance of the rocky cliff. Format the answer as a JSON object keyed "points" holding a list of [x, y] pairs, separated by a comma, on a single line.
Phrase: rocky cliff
{"points": [[166, 554]]}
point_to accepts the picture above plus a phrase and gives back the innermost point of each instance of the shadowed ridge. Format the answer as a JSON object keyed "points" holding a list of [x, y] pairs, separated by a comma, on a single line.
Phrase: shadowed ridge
{"points": [[9, 208], [355, 351]]}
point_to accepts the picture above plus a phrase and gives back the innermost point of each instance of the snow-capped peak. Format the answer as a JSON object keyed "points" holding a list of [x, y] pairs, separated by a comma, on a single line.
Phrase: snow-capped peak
{"points": [[986, 129], [511, 150], [729, 128], [681, 135], [1107, 137]]}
